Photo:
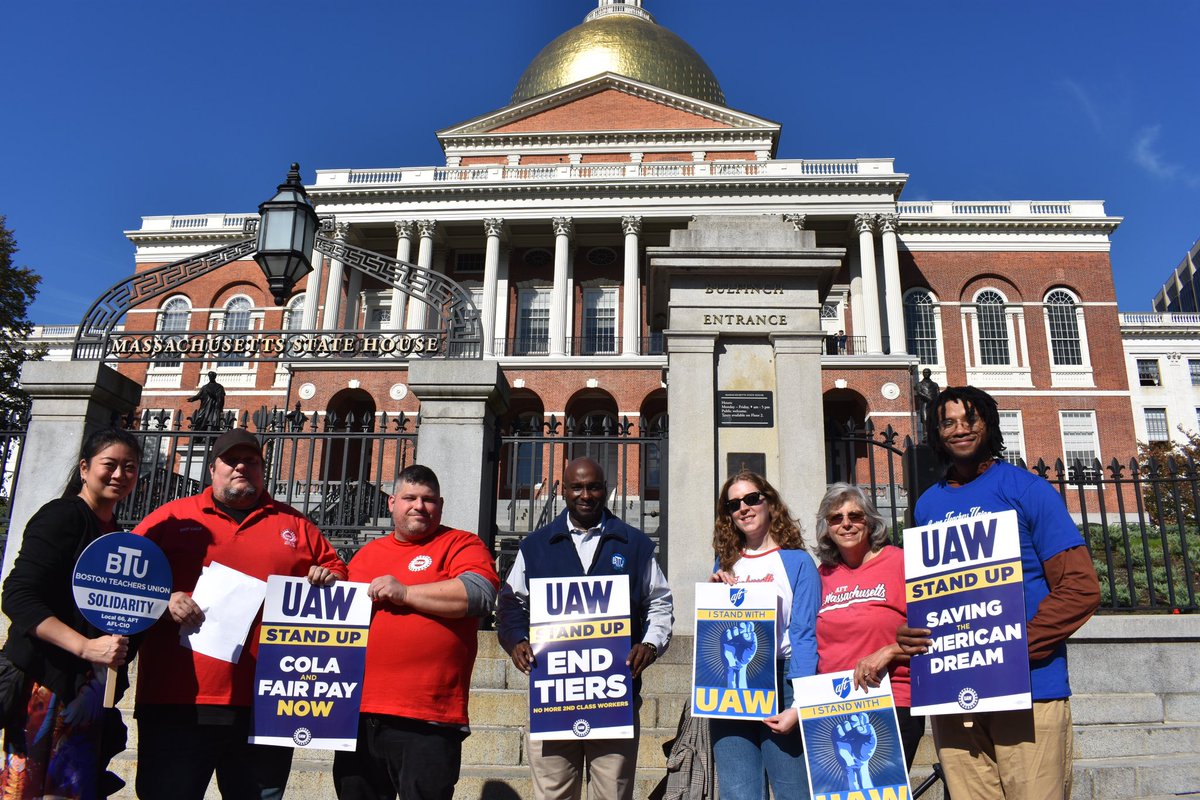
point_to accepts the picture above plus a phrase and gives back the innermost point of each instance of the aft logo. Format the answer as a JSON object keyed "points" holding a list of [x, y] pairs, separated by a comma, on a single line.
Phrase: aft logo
{"points": [[737, 596], [842, 687]]}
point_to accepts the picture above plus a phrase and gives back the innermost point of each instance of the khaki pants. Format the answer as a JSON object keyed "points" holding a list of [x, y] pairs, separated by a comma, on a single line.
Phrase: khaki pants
{"points": [[1007, 755]]}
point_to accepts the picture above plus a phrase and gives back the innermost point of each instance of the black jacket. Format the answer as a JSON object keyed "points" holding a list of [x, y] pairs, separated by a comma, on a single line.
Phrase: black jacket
{"points": [[39, 587]]}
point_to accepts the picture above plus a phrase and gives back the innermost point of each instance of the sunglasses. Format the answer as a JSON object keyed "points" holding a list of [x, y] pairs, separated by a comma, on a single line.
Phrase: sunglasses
{"points": [[857, 517], [752, 499]]}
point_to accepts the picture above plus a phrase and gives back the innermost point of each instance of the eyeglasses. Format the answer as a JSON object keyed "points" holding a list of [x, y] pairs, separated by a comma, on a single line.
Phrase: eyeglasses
{"points": [[856, 517], [752, 499]]}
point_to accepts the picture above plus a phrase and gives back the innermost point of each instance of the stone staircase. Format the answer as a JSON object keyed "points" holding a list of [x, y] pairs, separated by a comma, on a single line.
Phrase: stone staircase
{"points": [[1136, 710]]}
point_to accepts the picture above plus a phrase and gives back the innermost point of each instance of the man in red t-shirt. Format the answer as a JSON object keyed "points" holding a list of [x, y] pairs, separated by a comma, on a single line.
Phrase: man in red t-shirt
{"points": [[430, 583], [193, 711]]}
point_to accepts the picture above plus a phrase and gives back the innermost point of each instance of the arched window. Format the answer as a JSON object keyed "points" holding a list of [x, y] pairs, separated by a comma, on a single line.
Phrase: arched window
{"points": [[175, 315], [293, 316], [236, 319], [993, 329], [1063, 321], [920, 327]]}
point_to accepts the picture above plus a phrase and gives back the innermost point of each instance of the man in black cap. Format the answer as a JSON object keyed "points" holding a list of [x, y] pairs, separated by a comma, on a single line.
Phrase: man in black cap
{"points": [[193, 711]]}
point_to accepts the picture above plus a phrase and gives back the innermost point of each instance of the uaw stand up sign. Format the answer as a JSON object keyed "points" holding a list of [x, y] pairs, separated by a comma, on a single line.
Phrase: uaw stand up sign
{"points": [[964, 583], [122, 585], [580, 686]]}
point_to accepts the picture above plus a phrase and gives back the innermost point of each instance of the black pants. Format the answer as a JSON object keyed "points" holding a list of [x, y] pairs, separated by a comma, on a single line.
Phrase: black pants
{"points": [[398, 756], [177, 757], [911, 730]]}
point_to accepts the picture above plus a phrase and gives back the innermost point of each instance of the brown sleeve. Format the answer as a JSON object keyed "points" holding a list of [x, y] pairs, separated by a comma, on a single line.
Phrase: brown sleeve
{"points": [[1074, 597]]}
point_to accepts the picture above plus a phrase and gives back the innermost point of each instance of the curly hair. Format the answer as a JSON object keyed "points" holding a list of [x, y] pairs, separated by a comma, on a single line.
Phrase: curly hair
{"points": [[728, 541], [978, 405], [839, 493]]}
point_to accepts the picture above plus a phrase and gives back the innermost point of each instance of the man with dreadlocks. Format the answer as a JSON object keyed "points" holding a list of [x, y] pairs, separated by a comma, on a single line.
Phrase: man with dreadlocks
{"points": [[1002, 754]]}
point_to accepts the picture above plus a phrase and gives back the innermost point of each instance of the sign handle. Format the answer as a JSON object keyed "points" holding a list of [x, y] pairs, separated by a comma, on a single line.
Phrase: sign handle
{"points": [[110, 687]]}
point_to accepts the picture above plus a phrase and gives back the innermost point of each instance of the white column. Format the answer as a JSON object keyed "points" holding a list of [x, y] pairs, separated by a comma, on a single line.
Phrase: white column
{"points": [[893, 293], [865, 225], [631, 317], [494, 228], [311, 291], [426, 229], [404, 234], [353, 298], [563, 228], [333, 291]]}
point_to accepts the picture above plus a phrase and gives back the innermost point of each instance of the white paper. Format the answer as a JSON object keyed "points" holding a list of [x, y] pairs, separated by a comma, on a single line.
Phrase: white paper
{"points": [[230, 601]]}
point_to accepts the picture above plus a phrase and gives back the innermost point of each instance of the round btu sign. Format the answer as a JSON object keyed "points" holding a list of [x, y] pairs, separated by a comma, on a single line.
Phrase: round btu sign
{"points": [[122, 583]]}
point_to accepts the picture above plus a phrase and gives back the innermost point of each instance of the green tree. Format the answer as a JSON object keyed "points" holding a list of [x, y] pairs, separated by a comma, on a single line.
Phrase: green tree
{"points": [[1170, 471], [18, 288]]}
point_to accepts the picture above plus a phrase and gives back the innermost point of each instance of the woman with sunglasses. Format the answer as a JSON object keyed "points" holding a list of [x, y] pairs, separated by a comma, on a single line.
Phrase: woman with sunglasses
{"points": [[862, 601], [756, 539]]}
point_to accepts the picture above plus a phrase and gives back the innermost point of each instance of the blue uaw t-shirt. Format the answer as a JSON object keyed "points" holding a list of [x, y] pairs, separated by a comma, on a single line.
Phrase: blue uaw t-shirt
{"points": [[1046, 530]]}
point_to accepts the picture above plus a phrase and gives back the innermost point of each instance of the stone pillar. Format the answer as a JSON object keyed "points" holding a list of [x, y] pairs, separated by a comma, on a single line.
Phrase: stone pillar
{"points": [[312, 289], [333, 290], [70, 400], [563, 228], [893, 293], [865, 225], [494, 228], [631, 317], [404, 234], [426, 229], [691, 368], [798, 403], [353, 299], [460, 402]]}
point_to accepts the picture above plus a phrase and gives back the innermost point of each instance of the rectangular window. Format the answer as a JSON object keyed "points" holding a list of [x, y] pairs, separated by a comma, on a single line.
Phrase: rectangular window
{"points": [[533, 322], [468, 262], [1014, 436], [1148, 372], [1081, 443], [1156, 425], [599, 321], [1194, 370]]}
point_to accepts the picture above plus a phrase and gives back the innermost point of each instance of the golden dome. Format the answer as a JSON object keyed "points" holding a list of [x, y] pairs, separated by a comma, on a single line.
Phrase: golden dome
{"points": [[629, 44]]}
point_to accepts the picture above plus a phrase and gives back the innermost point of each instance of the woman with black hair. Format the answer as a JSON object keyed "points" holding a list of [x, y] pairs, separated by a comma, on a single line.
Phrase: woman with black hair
{"points": [[53, 746]]}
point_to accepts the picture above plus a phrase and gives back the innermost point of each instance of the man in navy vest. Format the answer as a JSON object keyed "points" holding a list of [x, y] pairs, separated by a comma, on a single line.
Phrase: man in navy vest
{"points": [[586, 539]]}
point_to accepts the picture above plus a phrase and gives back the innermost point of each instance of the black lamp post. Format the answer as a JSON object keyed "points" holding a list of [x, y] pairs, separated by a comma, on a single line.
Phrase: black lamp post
{"points": [[287, 227]]}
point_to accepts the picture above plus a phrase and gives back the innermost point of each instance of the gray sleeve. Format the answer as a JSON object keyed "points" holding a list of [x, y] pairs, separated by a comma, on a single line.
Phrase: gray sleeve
{"points": [[481, 595]]}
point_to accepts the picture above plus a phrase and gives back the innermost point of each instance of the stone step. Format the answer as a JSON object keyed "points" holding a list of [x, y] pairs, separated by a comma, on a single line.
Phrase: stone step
{"points": [[1104, 707], [1119, 740], [1139, 777]]}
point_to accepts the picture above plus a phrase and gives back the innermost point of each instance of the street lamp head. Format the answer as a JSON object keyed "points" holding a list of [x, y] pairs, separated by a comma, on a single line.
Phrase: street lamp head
{"points": [[287, 228]]}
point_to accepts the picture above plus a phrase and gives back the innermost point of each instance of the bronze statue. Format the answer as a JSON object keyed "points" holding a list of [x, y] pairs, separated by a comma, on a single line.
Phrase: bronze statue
{"points": [[210, 416]]}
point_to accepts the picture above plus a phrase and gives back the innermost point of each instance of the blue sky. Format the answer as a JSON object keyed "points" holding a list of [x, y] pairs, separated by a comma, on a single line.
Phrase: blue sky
{"points": [[115, 110]]}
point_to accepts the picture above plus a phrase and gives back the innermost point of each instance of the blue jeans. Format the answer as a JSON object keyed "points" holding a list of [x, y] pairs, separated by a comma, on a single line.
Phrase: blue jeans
{"points": [[748, 753]]}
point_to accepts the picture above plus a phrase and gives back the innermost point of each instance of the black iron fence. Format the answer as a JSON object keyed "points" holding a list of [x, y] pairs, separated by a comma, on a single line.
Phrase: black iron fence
{"points": [[1138, 518], [337, 470], [13, 425], [530, 474]]}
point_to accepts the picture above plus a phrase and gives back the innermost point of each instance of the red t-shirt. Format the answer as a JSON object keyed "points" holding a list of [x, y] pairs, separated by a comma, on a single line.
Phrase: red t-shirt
{"points": [[860, 611], [275, 539], [418, 665]]}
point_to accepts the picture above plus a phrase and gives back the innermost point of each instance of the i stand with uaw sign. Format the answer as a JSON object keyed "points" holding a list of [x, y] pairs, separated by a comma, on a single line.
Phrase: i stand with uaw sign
{"points": [[733, 667], [851, 739], [963, 581], [122, 585], [580, 686], [312, 652]]}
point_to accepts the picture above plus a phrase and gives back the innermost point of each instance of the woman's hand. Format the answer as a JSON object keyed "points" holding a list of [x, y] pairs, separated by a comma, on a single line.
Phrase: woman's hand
{"points": [[721, 576], [184, 611], [870, 670], [107, 650], [783, 722]]}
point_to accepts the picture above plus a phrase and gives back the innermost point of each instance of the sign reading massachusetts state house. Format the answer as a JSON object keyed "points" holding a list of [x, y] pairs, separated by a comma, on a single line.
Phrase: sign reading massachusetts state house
{"points": [[274, 345]]}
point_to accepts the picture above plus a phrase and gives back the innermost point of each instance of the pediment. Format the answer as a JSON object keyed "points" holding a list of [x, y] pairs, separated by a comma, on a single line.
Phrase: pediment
{"points": [[607, 103]]}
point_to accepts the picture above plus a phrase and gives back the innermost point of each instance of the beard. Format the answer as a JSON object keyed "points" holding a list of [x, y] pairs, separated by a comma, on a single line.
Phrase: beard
{"points": [[240, 496]]}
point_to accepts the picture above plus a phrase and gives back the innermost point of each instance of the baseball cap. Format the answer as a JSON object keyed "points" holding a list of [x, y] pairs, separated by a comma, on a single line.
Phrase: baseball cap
{"points": [[238, 437]]}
